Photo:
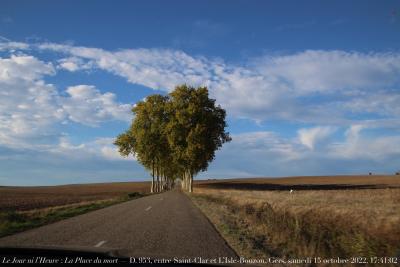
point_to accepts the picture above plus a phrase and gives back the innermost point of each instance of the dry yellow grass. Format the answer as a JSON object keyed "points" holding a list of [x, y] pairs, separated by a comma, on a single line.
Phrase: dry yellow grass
{"points": [[325, 223], [374, 210]]}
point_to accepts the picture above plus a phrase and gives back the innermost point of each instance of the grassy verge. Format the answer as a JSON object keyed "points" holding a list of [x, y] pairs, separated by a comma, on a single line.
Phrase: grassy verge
{"points": [[232, 226], [12, 222], [264, 228]]}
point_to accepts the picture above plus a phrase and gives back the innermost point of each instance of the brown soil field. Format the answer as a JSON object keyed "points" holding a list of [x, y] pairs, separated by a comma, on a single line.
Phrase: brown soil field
{"points": [[37, 197], [304, 183]]}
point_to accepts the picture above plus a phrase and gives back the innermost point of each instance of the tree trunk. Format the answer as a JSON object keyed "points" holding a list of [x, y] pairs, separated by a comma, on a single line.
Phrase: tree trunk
{"points": [[184, 181], [162, 181], [187, 181], [160, 184], [158, 180], [152, 181], [190, 182]]}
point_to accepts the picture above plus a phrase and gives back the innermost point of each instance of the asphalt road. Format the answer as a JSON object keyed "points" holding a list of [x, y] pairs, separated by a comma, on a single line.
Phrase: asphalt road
{"points": [[164, 225]]}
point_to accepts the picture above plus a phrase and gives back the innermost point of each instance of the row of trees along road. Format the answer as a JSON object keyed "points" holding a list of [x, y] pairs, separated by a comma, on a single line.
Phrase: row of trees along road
{"points": [[175, 136]]}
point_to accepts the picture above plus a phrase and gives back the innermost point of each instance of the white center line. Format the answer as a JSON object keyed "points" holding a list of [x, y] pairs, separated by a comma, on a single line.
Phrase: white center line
{"points": [[148, 208], [100, 244]]}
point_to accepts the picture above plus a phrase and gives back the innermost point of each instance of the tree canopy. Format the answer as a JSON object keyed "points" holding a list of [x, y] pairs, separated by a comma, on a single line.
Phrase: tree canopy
{"points": [[175, 136]]}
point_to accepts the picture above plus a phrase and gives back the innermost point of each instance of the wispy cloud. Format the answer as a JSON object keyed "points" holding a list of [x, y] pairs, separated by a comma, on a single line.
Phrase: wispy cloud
{"points": [[100, 148], [269, 154], [314, 86], [258, 89], [310, 136], [326, 91], [359, 146], [85, 104], [30, 107]]}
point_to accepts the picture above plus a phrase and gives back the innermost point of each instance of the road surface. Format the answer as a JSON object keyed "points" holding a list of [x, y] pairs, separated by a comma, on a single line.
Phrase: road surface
{"points": [[165, 225]]}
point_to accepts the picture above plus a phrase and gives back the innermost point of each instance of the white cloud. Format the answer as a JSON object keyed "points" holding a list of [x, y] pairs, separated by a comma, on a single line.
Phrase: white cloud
{"points": [[381, 102], [310, 136], [8, 45], [12, 46], [324, 71], [65, 145], [109, 150], [30, 108], [313, 86], [265, 144], [73, 64], [68, 65], [358, 146], [88, 106], [154, 68], [269, 154], [24, 67], [98, 148]]}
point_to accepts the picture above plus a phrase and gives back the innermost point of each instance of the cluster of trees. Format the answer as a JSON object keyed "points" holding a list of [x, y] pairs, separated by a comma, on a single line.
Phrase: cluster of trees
{"points": [[175, 136]]}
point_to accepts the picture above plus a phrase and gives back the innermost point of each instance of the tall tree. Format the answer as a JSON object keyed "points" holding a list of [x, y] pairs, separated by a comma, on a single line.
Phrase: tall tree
{"points": [[196, 130], [175, 135], [144, 138]]}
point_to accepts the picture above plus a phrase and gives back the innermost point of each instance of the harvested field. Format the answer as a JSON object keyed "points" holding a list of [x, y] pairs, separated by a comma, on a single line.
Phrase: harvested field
{"points": [[323, 221], [305, 183], [38, 197]]}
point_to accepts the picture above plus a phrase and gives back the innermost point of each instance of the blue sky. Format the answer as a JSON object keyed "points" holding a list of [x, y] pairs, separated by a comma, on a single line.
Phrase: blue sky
{"points": [[310, 87]]}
